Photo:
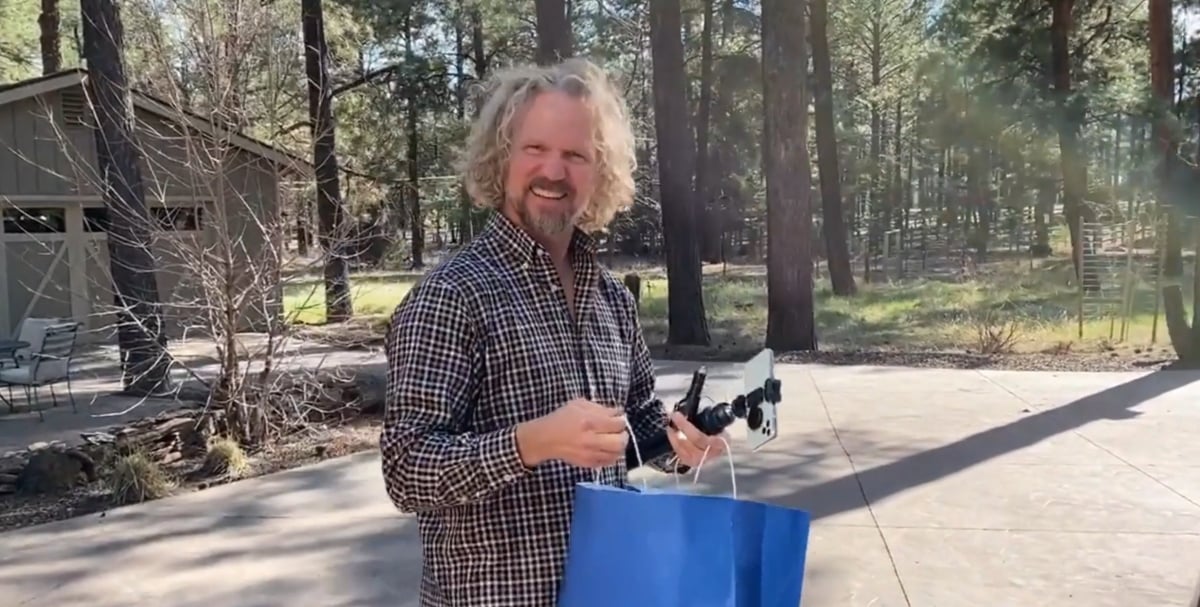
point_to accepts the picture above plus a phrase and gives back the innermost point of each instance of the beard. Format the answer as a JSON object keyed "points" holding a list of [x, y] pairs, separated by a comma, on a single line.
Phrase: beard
{"points": [[551, 222]]}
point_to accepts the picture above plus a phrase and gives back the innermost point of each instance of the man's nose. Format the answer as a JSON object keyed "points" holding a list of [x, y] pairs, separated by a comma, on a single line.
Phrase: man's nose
{"points": [[554, 169]]}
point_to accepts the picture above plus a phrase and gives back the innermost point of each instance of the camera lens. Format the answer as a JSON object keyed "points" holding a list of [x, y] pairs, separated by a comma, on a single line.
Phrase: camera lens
{"points": [[755, 419]]}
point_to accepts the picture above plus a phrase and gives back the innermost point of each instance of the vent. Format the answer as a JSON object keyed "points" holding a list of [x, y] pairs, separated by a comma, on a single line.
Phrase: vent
{"points": [[73, 107]]}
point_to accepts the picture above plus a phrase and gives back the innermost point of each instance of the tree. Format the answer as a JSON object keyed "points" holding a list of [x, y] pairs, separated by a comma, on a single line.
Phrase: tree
{"points": [[1185, 338], [554, 39], [687, 324], [50, 39], [837, 244], [330, 211], [146, 362], [707, 218], [1071, 113], [790, 317]]}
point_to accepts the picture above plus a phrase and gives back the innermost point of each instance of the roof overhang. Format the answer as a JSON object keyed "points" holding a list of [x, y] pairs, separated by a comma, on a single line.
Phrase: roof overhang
{"points": [[78, 77]]}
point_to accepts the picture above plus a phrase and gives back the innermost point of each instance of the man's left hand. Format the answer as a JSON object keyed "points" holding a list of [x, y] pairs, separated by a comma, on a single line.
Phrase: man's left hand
{"points": [[690, 443]]}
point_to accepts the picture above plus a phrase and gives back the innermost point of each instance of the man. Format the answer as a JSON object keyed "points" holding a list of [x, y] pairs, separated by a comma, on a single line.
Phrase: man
{"points": [[515, 365]]}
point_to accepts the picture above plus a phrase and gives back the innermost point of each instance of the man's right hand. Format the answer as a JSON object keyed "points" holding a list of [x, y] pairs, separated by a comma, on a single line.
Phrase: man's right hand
{"points": [[581, 433]]}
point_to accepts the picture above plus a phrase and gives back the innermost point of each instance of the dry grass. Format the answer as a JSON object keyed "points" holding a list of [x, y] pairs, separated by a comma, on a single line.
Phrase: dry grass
{"points": [[135, 478], [225, 457]]}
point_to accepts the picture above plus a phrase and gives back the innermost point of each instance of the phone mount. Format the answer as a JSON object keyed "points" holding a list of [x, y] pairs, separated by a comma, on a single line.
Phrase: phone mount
{"points": [[756, 405]]}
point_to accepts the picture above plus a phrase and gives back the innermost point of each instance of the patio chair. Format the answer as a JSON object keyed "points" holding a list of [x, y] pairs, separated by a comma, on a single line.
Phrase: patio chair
{"points": [[49, 364], [30, 331]]}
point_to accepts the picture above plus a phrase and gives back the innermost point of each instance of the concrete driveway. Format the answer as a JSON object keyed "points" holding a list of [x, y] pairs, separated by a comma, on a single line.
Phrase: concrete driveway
{"points": [[927, 487]]}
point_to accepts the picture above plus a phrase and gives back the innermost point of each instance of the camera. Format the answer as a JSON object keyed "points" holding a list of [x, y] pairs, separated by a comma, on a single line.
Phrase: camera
{"points": [[756, 405]]}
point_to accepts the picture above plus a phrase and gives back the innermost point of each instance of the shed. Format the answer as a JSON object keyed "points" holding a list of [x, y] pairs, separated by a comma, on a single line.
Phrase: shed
{"points": [[53, 247]]}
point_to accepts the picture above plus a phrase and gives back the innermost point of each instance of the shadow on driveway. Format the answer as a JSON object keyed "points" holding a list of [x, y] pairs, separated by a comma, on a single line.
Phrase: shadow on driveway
{"points": [[847, 492]]}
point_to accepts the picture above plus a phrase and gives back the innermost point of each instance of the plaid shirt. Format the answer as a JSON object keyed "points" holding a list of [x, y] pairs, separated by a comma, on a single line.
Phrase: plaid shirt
{"points": [[485, 341]]}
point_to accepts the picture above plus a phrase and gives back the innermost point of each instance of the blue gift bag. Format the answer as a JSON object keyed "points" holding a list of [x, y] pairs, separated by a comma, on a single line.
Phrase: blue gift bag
{"points": [[632, 547]]}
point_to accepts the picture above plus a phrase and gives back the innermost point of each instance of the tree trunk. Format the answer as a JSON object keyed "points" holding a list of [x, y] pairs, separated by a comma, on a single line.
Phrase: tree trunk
{"points": [[1185, 338], [875, 210], [481, 62], [460, 111], [790, 322], [837, 245], [143, 342], [708, 219], [1047, 190], [413, 158], [330, 212], [554, 39], [48, 24], [687, 324], [1071, 114]]}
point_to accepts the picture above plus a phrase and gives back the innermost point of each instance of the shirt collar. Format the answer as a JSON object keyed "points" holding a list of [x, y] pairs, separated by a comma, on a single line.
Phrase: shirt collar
{"points": [[514, 242]]}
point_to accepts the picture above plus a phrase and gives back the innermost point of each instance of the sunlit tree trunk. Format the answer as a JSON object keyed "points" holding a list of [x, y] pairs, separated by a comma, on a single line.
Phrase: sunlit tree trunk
{"points": [[790, 317]]}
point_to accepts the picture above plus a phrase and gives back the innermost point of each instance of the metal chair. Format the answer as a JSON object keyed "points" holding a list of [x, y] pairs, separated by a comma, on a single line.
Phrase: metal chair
{"points": [[49, 364]]}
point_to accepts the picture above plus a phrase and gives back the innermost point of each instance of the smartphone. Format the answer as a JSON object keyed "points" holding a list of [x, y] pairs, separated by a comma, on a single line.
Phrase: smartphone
{"points": [[762, 424]]}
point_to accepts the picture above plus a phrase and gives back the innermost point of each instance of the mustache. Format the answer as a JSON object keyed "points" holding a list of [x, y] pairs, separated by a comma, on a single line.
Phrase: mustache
{"points": [[553, 185]]}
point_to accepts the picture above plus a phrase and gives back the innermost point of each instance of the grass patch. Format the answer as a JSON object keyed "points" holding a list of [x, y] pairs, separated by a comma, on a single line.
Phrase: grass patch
{"points": [[371, 295], [135, 478], [913, 314], [923, 314]]}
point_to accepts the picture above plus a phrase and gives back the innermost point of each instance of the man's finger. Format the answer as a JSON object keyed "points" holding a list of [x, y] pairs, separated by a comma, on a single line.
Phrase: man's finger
{"points": [[608, 424], [684, 449], [609, 443], [690, 431]]}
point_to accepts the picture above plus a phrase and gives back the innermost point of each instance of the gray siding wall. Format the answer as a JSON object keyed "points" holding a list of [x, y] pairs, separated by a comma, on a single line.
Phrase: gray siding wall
{"points": [[44, 156]]}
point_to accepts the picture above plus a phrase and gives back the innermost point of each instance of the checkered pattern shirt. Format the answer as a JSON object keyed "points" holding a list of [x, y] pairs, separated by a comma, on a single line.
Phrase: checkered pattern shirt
{"points": [[483, 342]]}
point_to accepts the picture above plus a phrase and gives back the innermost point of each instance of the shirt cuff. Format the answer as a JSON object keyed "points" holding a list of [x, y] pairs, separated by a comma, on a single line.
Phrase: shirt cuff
{"points": [[501, 458]]}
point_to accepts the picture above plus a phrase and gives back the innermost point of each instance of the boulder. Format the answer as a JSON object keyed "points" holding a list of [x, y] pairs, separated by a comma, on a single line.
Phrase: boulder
{"points": [[56, 471]]}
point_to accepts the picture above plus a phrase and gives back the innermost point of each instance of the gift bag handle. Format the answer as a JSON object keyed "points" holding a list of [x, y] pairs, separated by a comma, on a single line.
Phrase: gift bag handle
{"points": [[636, 450], [728, 454]]}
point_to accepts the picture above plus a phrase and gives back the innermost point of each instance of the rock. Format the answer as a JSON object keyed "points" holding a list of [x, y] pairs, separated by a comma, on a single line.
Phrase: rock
{"points": [[8, 489], [8, 479], [371, 391], [52, 471], [98, 438]]}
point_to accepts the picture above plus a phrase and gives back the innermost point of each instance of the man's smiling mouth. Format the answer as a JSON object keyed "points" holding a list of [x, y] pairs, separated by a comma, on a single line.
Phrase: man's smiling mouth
{"points": [[548, 194]]}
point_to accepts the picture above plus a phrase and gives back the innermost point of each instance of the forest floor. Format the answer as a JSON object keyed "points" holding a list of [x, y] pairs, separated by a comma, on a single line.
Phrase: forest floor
{"points": [[1016, 313]]}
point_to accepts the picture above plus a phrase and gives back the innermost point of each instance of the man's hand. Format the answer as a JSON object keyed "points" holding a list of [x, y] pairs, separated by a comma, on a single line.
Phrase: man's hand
{"points": [[689, 442], [580, 432]]}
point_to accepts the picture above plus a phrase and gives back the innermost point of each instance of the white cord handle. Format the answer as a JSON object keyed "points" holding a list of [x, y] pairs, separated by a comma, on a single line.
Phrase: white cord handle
{"points": [[636, 450], [728, 454]]}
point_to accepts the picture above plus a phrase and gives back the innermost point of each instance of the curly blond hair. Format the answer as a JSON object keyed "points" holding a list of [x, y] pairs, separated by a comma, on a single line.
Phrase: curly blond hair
{"points": [[485, 161]]}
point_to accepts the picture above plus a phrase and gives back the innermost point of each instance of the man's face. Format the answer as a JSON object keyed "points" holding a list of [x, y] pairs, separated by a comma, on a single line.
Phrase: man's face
{"points": [[551, 172]]}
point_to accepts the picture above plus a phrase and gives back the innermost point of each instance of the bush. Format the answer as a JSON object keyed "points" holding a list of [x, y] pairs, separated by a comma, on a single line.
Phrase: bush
{"points": [[225, 456], [136, 478]]}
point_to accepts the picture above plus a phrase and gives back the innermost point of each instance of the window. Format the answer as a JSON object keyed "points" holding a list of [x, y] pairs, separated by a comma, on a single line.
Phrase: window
{"points": [[180, 219], [45, 220], [95, 219]]}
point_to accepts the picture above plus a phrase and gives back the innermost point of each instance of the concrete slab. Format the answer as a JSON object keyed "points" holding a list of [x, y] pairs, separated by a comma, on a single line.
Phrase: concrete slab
{"points": [[1043, 568], [1046, 496], [1085, 498]]}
